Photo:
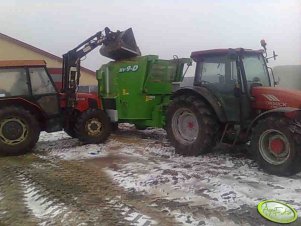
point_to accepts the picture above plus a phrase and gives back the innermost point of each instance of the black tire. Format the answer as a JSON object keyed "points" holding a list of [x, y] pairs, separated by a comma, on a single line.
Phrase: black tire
{"points": [[69, 127], [204, 139], [19, 131], [70, 131], [287, 161], [93, 126], [140, 127], [114, 126]]}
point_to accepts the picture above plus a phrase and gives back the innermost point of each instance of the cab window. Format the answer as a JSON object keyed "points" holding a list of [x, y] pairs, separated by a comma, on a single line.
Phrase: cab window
{"points": [[13, 82], [219, 72], [40, 82], [255, 70]]}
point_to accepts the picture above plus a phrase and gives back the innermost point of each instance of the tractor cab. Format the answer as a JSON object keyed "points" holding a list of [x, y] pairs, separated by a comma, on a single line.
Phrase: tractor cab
{"points": [[27, 83], [229, 75]]}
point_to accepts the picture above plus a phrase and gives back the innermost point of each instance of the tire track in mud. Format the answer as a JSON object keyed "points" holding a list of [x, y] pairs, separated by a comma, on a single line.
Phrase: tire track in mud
{"points": [[36, 191], [13, 210]]}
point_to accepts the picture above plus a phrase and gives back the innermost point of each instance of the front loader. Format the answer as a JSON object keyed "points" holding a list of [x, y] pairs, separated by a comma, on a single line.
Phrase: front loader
{"points": [[30, 103]]}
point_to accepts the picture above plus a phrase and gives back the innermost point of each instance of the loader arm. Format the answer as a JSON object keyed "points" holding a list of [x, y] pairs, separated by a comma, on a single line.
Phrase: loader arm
{"points": [[71, 62], [115, 45]]}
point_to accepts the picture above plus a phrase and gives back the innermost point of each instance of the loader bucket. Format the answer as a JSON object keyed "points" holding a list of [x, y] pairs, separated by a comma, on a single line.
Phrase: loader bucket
{"points": [[122, 47]]}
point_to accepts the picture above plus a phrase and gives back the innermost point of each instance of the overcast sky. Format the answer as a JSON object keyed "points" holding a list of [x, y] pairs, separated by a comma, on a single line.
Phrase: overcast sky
{"points": [[163, 28]]}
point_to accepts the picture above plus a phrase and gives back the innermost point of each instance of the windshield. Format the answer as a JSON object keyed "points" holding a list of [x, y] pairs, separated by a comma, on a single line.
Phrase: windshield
{"points": [[255, 70]]}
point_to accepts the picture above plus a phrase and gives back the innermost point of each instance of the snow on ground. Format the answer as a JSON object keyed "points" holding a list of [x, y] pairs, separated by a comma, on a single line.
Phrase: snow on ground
{"points": [[1, 211], [220, 180], [41, 206], [130, 214], [213, 180], [61, 145]]}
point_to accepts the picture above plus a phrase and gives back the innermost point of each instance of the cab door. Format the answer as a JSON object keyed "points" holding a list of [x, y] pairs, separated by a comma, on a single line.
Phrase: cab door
{"points": [[219, 74], [44, 91]]}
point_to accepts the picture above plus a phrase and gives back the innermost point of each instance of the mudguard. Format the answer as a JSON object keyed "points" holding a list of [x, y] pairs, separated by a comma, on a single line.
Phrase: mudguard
{"points": [[207, 96], [276, 110]]}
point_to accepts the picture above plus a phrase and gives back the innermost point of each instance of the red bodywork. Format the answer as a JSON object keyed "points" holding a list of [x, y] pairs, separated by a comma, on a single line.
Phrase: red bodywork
{"points": [[82, 101], [267, 98]]}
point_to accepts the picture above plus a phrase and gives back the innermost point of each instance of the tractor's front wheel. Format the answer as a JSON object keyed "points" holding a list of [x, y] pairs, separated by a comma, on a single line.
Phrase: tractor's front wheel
{"points": [[19, 131], [191, 126], [275, 147], [93, 126]]}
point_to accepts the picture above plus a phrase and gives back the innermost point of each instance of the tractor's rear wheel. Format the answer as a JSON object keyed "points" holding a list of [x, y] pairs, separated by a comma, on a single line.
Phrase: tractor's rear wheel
{"points": [[275, 147], [191, 126], [93, 126], [19, 131], [69, 128]]}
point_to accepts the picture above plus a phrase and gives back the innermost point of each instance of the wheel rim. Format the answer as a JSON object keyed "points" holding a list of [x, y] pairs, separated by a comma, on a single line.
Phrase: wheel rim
{"points": [[274, 147], [13, 131], [93, 127], [185, 126]]}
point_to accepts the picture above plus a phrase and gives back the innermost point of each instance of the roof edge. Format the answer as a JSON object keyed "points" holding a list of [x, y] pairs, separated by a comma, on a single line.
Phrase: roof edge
{"points": [[37, 50]]}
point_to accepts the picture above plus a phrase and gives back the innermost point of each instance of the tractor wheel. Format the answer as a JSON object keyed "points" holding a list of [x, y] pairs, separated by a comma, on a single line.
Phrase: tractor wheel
{"points": [[19, 131], [70, 131], [69, 128], [114, 126], [275, 147], [191, 126], [93, 126], [140, 127]]}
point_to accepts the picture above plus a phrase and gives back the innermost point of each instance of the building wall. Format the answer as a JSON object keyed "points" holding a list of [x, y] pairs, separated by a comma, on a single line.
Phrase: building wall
{"points": [[11, 51]]}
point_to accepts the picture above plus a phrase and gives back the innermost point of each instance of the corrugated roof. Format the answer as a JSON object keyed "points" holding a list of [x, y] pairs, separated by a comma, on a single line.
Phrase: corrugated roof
{"points": [[39, 51]]}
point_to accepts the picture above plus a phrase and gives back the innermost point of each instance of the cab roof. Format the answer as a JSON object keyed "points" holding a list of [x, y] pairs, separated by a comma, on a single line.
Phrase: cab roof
{"points": [[213, 52], [21, 63]]}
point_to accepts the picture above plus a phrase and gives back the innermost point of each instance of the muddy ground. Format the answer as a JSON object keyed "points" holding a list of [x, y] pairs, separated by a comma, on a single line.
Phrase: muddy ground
{"points": [[135, 178]]}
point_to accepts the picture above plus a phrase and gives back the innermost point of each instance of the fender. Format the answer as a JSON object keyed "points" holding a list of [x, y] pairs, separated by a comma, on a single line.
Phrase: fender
{"points": [[284, 110], [206, 95], [24, 103], [86, 101]]}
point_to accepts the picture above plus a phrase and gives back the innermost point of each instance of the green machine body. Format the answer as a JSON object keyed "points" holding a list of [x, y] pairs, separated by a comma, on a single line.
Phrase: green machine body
{"points": [[138, 90]]}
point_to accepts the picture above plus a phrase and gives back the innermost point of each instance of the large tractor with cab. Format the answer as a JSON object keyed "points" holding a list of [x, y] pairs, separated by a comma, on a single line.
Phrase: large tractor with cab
{"points": [[234, 100], [30, 103]]}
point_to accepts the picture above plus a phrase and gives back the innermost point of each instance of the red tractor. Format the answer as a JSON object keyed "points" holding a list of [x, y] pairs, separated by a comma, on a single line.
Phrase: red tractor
{"points": [[234, 100], [30, 103]]}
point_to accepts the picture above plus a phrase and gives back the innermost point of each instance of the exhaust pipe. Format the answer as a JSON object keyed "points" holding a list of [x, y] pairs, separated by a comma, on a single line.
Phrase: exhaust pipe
{"points": [[122, 46]]}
